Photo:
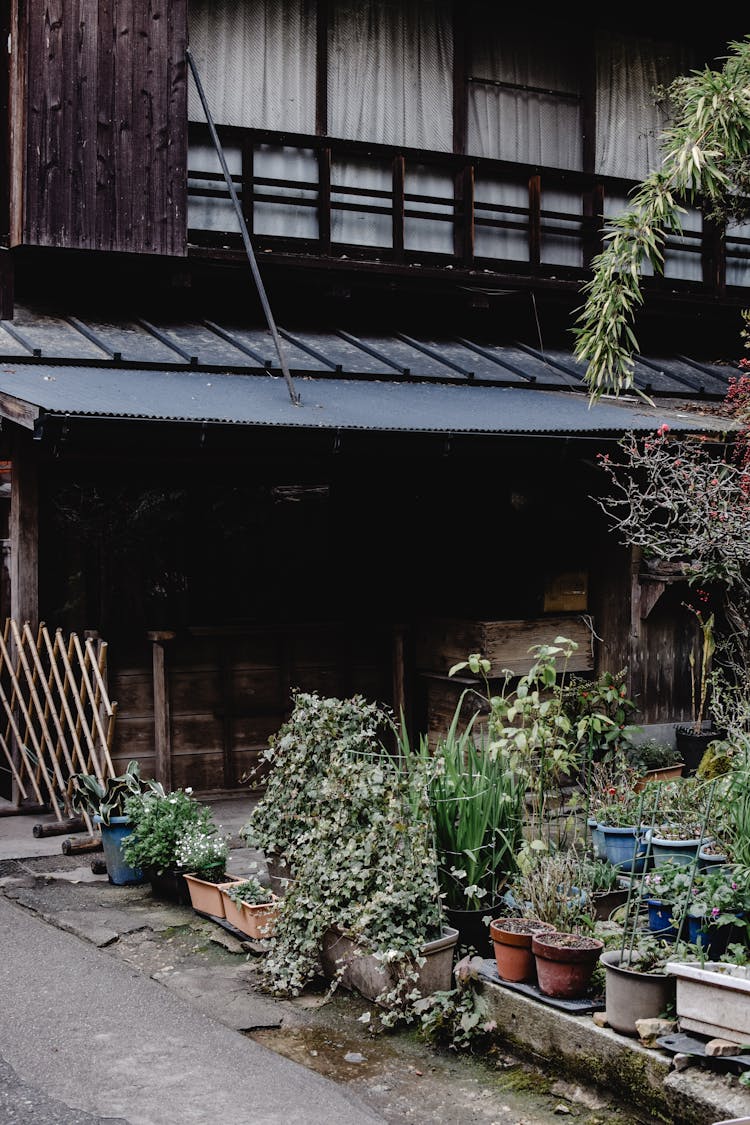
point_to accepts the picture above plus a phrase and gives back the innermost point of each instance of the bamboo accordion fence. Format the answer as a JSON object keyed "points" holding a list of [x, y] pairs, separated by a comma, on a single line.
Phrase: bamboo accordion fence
{"points": [[56, 717]]}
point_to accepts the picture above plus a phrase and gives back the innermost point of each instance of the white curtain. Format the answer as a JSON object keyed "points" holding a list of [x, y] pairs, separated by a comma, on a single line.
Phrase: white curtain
{"points": [[390, 67], [390, 71], [629, 121], [511, 121], [533, 116], [256, 62]]}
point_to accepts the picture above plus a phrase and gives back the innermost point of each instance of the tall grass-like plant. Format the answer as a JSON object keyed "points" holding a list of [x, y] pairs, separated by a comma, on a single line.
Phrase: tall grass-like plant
{"points": [[477, 802]]}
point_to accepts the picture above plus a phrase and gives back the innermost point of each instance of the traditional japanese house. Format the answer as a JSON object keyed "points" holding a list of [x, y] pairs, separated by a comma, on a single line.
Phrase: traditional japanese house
{"points": [[286, 378]]}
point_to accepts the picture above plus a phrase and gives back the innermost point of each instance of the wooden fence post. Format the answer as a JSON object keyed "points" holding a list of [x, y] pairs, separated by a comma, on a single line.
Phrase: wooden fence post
{"points": [[162, 716]]}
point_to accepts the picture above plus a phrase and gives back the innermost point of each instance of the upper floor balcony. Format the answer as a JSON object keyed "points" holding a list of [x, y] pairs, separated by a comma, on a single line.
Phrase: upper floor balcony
{"points": [[386, 206]]}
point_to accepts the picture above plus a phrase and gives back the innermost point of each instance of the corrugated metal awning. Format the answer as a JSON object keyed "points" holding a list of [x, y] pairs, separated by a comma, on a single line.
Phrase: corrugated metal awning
{"points": [[28, 392], [228, 374]]}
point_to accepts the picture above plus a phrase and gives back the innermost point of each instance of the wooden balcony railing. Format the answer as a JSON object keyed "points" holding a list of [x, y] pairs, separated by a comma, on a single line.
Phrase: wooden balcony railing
{"points": [[327, 197]]}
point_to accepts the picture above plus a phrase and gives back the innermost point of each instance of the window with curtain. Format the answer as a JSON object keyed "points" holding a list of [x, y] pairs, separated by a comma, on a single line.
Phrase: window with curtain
{"points": [[524, 104], [256, 61], [390, 80], [630, 115]]}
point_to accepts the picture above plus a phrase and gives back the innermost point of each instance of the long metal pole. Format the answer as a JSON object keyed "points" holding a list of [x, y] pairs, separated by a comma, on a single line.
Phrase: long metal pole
{"points": [[243, 228]]}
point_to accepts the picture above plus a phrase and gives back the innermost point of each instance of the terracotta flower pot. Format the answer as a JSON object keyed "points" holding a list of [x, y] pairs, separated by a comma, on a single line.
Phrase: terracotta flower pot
{"points": [[565, 963], [255, 920], [511, 939]]}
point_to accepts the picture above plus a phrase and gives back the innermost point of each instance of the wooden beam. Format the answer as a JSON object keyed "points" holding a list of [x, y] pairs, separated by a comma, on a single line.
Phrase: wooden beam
{"points": [[162, 709], [321, 68], [24, 530]]}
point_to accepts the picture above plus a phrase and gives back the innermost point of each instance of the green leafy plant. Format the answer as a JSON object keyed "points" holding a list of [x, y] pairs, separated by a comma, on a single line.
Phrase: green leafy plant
{"points": [[652, 754], [159, 821], [363, 853], [477, 801], [296, 760], [107, 798], [673, 884], [704, 157], [722, 896], [530, 730], [249, 890], [457, 1018]]}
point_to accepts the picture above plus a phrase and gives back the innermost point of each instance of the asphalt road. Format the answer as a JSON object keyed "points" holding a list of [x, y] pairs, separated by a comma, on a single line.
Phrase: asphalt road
{"points": [[88, 1040]]}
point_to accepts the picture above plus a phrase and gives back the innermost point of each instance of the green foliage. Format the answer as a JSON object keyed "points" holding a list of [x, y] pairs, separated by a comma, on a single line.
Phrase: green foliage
{"points": [[476, 800], [249, 890], [297, 758], [705, 156], [672, 883], [107, 798], [360, 847], [722, 893], [651, 754], [457, 1018], [531, 732], [159, 822]]}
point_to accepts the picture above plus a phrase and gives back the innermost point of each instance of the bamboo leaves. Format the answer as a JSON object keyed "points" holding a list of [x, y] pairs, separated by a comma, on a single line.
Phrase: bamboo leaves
{"points": [[706, 153]]}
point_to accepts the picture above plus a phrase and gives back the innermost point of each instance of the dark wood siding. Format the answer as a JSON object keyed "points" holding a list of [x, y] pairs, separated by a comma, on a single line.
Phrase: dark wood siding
{"points": [[105, 125]]}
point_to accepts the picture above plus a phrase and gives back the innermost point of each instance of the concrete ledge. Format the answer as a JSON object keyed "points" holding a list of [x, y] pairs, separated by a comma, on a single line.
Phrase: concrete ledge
{"points": [[639, 1076]]}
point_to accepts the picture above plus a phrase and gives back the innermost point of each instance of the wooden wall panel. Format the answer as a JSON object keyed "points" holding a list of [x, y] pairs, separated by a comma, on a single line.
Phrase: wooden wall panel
{"points": [[103, 108]]}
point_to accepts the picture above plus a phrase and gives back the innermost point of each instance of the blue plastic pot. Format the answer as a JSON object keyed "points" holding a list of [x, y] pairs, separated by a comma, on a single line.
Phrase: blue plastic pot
{"points": [[113, 834], [623, 846], [714, 939], [659, 919], [682, 852]]}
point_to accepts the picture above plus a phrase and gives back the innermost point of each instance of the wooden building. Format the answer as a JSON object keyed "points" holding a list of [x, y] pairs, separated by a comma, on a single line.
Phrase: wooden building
{"points": [[332, 460]]}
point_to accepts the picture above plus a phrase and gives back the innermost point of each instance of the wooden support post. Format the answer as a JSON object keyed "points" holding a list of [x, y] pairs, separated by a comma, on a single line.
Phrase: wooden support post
{"points": [[162, 718], [24, 530]]}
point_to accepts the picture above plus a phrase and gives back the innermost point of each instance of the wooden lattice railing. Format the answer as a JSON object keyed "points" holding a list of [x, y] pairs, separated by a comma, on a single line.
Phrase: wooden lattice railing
{"points": [[56, 717]]}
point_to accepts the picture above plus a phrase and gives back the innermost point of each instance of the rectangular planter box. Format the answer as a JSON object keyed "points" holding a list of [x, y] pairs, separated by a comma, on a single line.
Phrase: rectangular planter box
{"points": [[713, 1000], [256, 920], [365, 974], [206, 897]]}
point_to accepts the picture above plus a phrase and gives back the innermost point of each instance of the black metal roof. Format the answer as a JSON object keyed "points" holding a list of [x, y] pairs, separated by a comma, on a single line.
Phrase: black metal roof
{"points": [[230, 374]]}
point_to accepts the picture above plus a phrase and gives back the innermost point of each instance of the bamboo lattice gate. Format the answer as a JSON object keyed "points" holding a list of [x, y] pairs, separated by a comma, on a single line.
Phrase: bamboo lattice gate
{"points": [[56, 717]]}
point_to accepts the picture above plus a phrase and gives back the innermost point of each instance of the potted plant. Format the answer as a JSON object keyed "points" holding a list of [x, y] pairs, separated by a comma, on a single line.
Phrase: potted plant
{"points": [[712, 998], [511, 940], [476, 801], [619, 822], [202, 854], [364, 906], [682, 810], [104, 800], [565, 962], [636, 983], [668, 890], [719, 913], [159, 821], [250, 907], [654, 760]]}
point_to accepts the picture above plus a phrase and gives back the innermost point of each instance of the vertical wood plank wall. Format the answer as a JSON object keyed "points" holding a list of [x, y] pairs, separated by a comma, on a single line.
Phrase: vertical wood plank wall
{"points": [[100, 101]]}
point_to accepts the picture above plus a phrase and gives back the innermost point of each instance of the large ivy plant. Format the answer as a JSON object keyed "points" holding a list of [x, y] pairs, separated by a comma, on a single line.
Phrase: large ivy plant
{"points": [[356, 829]]}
